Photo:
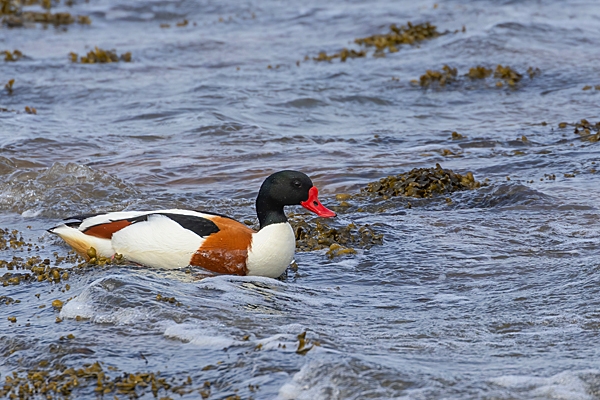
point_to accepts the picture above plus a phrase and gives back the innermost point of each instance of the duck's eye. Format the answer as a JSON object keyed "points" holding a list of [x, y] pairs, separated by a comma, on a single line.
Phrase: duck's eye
{"points": [[297, 183]]}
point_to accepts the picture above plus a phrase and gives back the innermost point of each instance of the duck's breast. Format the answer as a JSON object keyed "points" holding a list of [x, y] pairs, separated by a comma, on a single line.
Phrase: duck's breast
{"points": [[272, 250]]}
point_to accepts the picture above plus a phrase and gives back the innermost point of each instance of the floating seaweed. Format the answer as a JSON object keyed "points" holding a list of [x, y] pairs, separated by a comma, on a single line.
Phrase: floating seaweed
{"points": [[403, 35], [12, 56], [37, 269], [479, 72], [509, 75], [171, 300], [9, 86], [303, 346], [99, 56], [53, 380], [8, 300], [8, 7], [316, 235], [587, 131], [15, 16], [503, 74], [409, 34], [342, 55], [446, 75], [422, 183]]}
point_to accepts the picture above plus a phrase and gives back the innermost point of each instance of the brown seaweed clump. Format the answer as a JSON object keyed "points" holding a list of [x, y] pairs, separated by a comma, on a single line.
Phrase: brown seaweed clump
{"points": [[58, 381], [9, 86], [98, 56], [12, 56], [317, 235], [446, 75], [503, 74], [479, 72], [343, 55], [508, 75], [15, 16], [423, 183], [8, 7], [35, 269], [409, 34], [587, 131]]}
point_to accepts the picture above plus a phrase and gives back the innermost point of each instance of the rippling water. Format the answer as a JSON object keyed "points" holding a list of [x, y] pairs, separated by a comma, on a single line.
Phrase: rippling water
{"points": [[496, 295]]}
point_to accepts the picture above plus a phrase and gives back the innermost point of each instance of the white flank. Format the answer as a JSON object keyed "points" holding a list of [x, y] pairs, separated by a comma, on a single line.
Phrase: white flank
{"points": [[272, 250], [159, 242], [82, 242]]}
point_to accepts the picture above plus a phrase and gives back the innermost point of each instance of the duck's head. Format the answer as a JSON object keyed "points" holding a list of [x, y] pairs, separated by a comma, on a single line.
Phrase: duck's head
{"points": [[287, 188]]}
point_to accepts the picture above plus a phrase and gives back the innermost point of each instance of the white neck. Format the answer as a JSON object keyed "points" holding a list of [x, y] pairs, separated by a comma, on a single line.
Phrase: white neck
{"points": [[272, 250]]}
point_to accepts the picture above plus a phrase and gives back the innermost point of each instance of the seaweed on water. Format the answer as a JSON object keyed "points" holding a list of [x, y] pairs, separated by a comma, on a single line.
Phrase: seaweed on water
{"points": [[479, 72], [12, 56], [502, 74], [9, 86], [507, 74], [55, 380], [343, 55], [405, 34], [100, 56], [34, 269], [422, 183], [390, 42], [446, 75], [15, 16], [587, 131], [339, 240]]}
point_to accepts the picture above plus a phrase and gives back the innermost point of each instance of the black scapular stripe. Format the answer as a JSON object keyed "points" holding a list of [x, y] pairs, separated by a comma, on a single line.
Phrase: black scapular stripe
{"points": [[78, 219], [200, 226]]}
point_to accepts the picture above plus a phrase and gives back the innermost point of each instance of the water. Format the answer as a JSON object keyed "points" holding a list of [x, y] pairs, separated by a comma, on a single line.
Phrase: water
{"points": [[493, 296]]}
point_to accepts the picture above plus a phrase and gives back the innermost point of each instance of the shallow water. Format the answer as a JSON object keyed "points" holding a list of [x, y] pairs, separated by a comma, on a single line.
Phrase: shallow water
{"points": [[495, 295]]}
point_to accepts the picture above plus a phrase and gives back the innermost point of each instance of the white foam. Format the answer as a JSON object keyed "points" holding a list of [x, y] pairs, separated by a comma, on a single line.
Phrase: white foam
{"points": [[30, 213], [87, 306], [199, 336], [450, 298], [82, 305], [77, 307], [310, 383], [564, 385]]}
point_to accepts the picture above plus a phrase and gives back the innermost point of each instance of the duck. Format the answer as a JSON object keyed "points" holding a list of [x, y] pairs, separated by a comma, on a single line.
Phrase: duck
{"points": [[178, 238]]}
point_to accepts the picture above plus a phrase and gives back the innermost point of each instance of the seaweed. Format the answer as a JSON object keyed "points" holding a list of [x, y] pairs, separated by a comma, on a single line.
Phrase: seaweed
{"points": [[12, 56], [9, 86], [316, 234], [390, 42], [100, 56], [54, 380], [446, 75], [422, 183], [502, 74], [36, 269], [343, 55], [507, 74], [15, 16], [479, 72], [587, 131], [409, 34]]}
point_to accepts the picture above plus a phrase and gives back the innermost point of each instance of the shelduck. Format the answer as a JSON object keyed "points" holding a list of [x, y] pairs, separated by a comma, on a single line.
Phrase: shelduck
{"points": [[177, 238]]}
